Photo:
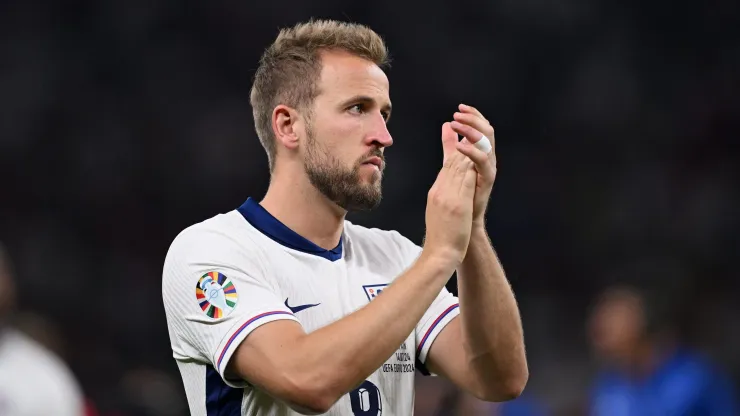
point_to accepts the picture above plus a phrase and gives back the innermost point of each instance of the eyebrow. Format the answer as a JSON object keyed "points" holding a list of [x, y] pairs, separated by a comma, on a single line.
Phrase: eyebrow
{"points": [[364, 99]]}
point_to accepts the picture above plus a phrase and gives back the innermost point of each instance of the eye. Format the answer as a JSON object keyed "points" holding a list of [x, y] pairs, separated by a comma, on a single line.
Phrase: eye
{"points": [[386, 115], [357, 109]]}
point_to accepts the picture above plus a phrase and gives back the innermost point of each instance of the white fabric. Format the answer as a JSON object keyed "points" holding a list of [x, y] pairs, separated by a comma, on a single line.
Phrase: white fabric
{"points": [[266, 273], [35, 382]]}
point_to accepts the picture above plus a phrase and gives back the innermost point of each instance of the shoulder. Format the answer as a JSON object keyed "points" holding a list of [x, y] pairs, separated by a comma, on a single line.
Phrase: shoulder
{"points": [[222, 243], [694, 365], [31, 357], [223, 237], [222, 229], [607, 392], [605, 383], [388, 242], [372, 235]]}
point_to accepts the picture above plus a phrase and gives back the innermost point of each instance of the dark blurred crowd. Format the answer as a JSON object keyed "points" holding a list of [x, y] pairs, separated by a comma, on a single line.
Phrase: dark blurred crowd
{"points": [[123, 122]]}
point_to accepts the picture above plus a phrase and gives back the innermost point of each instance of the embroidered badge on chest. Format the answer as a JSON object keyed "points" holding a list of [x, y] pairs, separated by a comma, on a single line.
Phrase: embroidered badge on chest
{"points": [[372, 291]]}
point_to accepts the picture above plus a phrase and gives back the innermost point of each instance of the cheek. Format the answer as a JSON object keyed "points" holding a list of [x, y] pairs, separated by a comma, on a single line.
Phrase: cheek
{"points": [[344, 140], [350, 130]]}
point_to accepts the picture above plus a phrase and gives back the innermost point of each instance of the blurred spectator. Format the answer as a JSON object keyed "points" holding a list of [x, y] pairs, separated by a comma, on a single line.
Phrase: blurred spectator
{"points": [[149, 392], [33, 380], [435, 396], [525, 405], [648, 371], [432, 395], [42, 330]]}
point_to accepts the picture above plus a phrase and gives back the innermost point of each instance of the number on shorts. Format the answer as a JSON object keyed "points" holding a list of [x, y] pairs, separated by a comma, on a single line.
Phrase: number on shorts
{"points": [[366, 400]]}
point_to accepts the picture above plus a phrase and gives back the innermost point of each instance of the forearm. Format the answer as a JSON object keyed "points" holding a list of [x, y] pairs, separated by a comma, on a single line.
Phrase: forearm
{"points": [[491, 324], [361, 342]]}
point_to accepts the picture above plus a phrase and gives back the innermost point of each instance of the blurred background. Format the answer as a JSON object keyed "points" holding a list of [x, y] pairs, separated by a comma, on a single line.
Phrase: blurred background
{"points": [[123, 122]]}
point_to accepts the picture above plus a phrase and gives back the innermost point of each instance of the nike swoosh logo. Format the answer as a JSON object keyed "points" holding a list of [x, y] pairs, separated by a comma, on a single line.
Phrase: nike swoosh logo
{"points": [[296, 309]]}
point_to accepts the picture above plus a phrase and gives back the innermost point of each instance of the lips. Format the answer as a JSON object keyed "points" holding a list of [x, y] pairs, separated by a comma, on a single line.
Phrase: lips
{"points": [[374, 161]]}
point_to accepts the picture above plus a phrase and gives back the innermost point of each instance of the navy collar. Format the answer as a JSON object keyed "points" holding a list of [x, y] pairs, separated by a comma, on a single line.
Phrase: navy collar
{"points": [[270, 226]]}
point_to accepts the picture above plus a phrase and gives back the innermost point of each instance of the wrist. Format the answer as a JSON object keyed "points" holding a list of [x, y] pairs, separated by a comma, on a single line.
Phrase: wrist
{"points": [[439, 261], [479, 228], [478, 241]]}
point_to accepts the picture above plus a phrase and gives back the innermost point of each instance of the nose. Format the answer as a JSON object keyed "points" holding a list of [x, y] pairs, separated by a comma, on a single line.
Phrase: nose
{"points": [[380, 135]]}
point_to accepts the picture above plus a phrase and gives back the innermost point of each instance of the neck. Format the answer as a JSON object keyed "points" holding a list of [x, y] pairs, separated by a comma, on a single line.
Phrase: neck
{"points": [[295, 202], [648, 356]]}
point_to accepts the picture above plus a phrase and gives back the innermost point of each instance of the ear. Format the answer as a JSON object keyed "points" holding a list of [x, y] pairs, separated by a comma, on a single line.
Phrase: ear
{"points": [[286, 124]]}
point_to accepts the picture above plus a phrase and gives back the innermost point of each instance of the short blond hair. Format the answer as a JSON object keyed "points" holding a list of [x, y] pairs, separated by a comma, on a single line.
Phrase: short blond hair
{"points": [[290, 68]]}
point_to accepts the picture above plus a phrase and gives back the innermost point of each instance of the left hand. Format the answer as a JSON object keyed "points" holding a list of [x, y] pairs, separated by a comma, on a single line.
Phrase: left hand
{"points": [[471, 124]]}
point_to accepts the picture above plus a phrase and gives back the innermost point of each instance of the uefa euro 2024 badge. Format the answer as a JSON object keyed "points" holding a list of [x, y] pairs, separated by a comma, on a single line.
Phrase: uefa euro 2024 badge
{"points": [[216, 295]]}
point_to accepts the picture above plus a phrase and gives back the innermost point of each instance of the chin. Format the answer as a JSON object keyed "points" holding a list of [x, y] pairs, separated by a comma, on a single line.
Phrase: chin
{"points": [[373, 181], [365, 199]]}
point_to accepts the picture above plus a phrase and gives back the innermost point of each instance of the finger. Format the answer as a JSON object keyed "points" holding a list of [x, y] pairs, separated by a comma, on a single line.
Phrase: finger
{"points": [[464, 168], [468, 185], [471, 110], [478, 156], [458, 164], [477, 123], [445, 175], [484, 163], [449, 141], [472, 134], [460, 174]]}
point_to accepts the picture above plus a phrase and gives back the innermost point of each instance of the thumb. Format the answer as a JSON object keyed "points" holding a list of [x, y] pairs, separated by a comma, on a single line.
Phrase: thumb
{"points": [[449, 141]]}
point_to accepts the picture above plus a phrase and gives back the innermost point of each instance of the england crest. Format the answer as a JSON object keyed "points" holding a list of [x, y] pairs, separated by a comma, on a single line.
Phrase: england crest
{"points": [[372, 291]]}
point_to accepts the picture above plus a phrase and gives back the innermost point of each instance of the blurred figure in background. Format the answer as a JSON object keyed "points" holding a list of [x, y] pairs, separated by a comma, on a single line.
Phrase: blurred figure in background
{"points": [[33, 380], [648, 372], [436, 396], [524, 405]]}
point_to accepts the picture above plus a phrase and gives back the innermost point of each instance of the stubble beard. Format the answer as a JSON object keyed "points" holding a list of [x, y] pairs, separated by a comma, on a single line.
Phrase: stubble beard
{"points": [[340, 185]]}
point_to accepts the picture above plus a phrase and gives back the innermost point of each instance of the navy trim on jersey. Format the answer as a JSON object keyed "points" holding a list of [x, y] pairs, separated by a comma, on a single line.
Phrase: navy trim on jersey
{"points": [[422, 367], [270, 226], [221, 400]]}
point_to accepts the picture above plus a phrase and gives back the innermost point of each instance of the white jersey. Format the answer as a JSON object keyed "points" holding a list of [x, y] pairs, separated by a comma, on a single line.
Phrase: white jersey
{"points": [[33, 381], [228, 275]]}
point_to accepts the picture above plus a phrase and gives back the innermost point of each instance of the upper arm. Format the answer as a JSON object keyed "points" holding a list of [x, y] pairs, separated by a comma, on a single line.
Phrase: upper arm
{"points": [[268, 360], [446, 356], [439, 319], [438, 335], [224, 310], [214, 296]]}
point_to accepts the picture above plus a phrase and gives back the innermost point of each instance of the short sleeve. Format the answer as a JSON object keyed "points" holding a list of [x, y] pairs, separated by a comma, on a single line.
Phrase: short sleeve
{"points": [[215, 293], [442, 311]]}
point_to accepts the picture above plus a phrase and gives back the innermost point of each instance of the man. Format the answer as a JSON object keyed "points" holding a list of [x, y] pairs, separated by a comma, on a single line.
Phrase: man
{"points": [[33, 381], [283, 307], [649, 373]]}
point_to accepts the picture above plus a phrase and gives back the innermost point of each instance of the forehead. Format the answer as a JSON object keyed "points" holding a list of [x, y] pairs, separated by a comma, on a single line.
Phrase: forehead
{"points": [[345, 75]]}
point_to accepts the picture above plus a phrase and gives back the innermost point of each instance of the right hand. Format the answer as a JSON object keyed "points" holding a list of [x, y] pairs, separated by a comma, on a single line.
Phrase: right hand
{"points": [[449, 213]]}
